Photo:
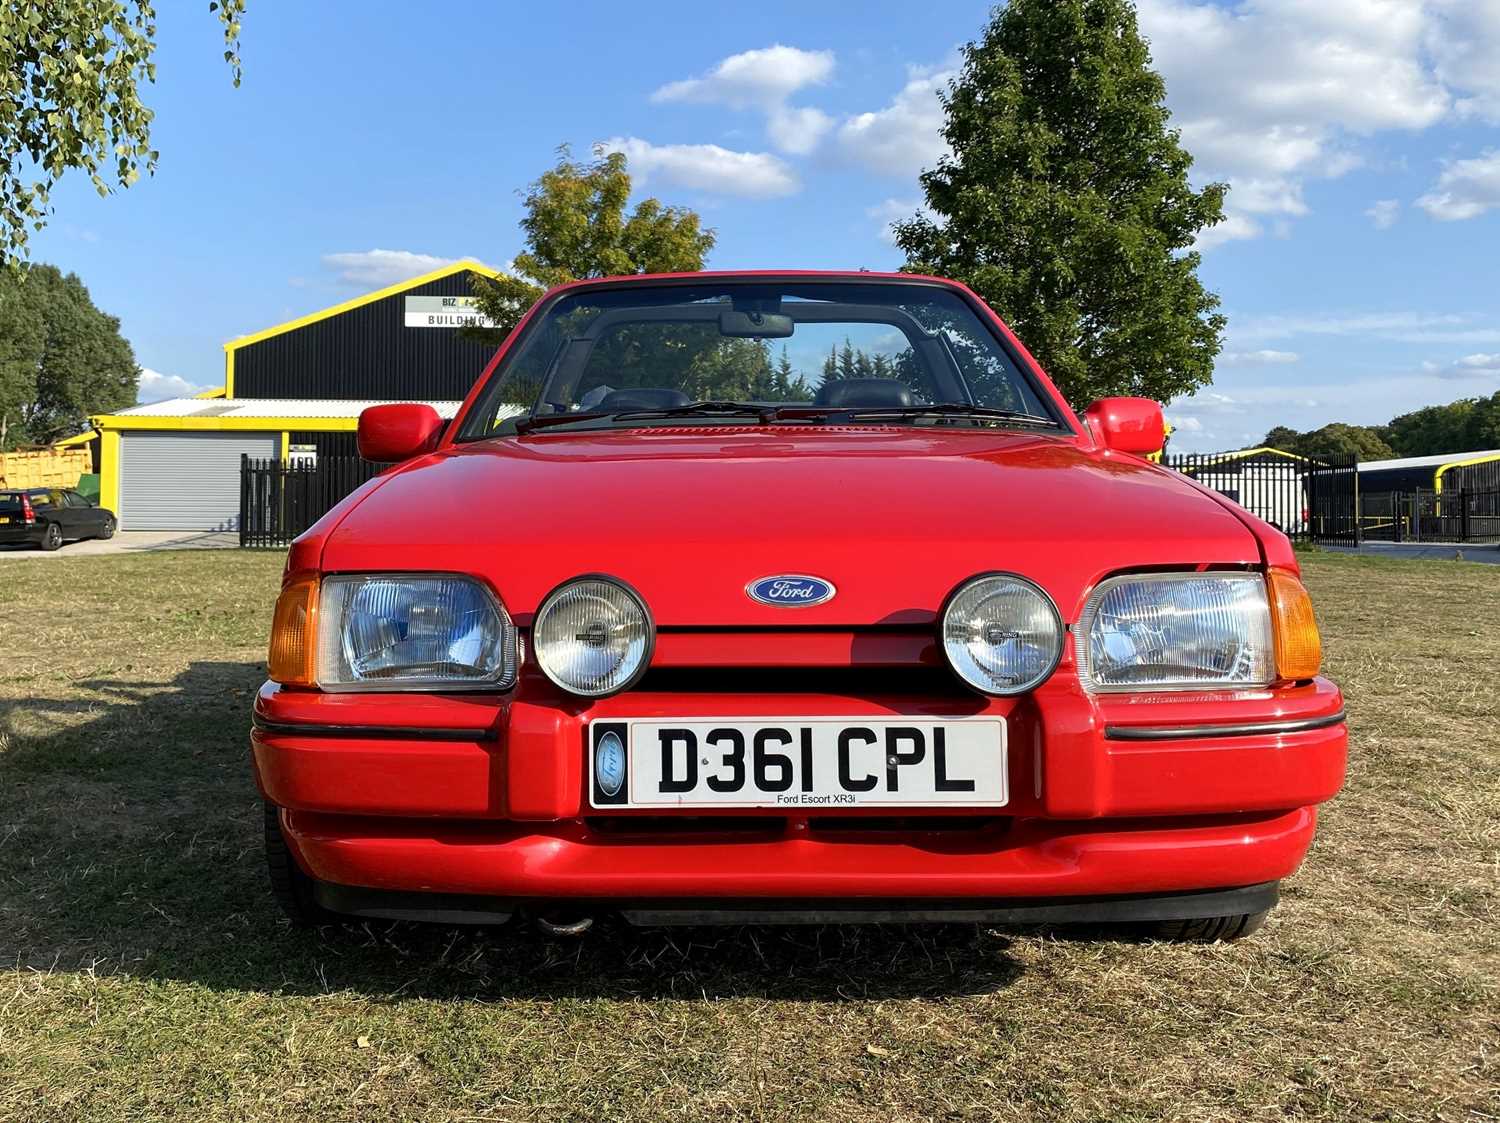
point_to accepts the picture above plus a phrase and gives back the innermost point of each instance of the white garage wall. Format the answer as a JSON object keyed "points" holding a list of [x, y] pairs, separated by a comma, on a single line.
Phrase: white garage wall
{"points": [[185, 481]]}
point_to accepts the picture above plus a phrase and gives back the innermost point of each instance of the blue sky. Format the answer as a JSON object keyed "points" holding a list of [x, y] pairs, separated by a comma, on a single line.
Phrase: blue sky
{"points": [[1360, 266]]}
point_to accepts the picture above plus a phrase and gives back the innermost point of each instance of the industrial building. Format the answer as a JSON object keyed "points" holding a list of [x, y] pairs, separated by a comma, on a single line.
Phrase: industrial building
{"points": [[294, 390], [1452, 471]]}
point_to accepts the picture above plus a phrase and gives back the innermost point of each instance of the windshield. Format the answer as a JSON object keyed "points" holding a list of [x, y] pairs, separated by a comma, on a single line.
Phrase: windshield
{"points": [[782, 351]]}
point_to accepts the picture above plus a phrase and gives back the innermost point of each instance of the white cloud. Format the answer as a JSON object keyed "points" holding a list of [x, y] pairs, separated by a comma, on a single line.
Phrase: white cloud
{"points": [[1268, 196], [1464, 42], [1270, 92], [1466, 189], [1185, 424], [378, 268], [1258, 358], [906, 136], [1403, 326], [797, 131], [887, 212], [1234, 227], [1383, 213], [155, 387], [762, 78], [1206, 402], [707, 167], [1474, 366]]}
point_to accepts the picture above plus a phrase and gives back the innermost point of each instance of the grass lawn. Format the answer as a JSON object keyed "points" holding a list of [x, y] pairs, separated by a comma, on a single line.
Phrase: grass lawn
{"points": [[145, 974]]}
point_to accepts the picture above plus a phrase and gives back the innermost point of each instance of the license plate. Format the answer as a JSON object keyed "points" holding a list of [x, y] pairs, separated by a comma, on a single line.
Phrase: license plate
{"points": [[797, 762]]}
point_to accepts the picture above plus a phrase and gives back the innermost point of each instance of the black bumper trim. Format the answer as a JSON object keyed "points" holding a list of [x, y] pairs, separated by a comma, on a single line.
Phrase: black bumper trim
{"points": [[376, 732], [1240, 729], [451, 908]]}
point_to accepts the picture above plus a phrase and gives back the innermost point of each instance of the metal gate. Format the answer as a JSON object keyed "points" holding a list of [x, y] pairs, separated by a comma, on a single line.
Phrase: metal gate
{"points": [[280, 499], [1424, 515], [1307, 500]]}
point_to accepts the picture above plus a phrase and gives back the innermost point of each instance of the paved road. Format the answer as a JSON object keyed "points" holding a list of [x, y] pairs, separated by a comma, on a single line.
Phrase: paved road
{"points": [[1426, 551], [130, 542]]}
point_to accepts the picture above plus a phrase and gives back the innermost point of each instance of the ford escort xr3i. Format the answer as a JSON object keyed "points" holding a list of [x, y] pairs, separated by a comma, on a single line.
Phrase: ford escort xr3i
{"points": [[787, 597]]}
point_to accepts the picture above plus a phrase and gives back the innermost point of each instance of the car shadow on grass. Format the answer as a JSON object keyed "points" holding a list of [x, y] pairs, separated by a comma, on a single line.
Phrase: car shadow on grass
{"points": [[130, 843]]}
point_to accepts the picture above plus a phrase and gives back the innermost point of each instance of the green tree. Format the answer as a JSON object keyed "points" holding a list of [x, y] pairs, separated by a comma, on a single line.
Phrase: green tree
{"points": [[576, 226], [23, 337], [1065, 202], [71, 75], [61, 358], [1335, 439], [1466, 425]]}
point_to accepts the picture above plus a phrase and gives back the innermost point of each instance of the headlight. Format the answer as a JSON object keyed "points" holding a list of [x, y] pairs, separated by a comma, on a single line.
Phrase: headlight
{"points": [[593, 636], [389, 632], [1165, 631], [1001, 634]]}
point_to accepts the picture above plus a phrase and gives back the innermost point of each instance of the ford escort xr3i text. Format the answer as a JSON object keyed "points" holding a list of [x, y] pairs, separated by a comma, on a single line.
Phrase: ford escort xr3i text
{"points": [[776, 597]]}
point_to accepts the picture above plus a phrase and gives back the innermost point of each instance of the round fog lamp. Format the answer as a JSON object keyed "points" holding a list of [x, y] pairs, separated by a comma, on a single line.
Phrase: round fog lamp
{"points": [[1001, 634], [593, 636]]}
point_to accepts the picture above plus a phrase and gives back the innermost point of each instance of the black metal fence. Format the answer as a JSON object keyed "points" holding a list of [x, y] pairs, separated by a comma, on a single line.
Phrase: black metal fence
{"points": [[1308, 500], [1423, 515], [280, 499]]}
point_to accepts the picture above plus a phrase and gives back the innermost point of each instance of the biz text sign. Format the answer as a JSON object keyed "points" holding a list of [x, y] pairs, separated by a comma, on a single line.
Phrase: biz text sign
{"points": [[444, 312]]}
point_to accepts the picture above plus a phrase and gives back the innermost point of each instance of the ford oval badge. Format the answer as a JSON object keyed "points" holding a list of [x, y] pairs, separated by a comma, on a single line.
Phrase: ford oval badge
{"points": [[609, 764], [791, 590]]}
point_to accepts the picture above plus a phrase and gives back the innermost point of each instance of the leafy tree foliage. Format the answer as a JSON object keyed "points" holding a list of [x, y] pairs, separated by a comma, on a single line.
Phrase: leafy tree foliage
{"points": [[1336, 439], [1467, 425], [61, 358], [1065, 202], [576, 227], [71, 73]]}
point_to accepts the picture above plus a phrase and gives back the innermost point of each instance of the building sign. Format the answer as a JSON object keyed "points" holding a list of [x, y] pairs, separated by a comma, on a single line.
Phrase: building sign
{"points": [[444, 312]]}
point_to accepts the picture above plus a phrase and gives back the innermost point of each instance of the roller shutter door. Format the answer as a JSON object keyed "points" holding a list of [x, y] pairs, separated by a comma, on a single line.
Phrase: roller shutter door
{"points": [[185, 481]]}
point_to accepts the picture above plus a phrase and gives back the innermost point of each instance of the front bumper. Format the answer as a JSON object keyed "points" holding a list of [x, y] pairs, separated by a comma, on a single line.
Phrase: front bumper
{"points": [[480, 795]]}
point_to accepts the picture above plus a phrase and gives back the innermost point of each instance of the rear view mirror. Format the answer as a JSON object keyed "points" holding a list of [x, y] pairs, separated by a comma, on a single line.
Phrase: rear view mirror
{"points": [[1127, 424], [398, 432], [754, 325]]}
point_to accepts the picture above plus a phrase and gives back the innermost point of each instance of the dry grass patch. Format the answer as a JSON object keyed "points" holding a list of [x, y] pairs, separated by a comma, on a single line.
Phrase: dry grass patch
{"points": [[145, 975]]}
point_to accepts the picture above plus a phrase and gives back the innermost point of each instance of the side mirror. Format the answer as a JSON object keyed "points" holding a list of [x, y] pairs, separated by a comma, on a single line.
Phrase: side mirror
{"points": [[398, 432], [1127, 424]]}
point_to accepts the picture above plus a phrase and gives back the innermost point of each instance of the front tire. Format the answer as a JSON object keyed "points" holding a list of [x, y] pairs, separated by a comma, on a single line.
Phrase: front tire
{"points": [[52, 538], [1207, 929], [108, 530], [291, 887]]}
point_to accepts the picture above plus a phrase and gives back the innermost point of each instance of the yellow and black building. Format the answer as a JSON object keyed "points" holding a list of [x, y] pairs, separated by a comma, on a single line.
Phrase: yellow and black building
{"points": [[290, 391]]}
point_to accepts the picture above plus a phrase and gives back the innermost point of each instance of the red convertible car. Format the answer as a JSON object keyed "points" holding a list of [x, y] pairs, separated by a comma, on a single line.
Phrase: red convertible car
{"points": [[787, 597]]}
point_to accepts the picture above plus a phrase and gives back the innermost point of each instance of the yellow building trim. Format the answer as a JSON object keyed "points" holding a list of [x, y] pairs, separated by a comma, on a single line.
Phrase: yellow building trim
{"points": [[216, 392], [228, 372], [1437, 477], [467, 265], [77, 439], [111, 426], [1240, 454], [109, 470], [115, 422]]}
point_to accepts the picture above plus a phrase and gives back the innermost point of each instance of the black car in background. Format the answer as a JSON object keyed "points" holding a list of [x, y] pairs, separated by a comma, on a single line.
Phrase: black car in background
{"points": [[49, 516]]}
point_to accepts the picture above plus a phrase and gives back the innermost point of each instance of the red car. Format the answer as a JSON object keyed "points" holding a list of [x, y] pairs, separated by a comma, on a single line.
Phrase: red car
{"points": [[788, 597]]}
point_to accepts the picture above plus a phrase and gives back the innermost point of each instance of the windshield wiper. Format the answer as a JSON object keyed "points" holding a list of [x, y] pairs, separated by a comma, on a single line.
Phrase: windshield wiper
{"points": [[766, 414], [763, 414], [542, 420], [935, 409]]}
